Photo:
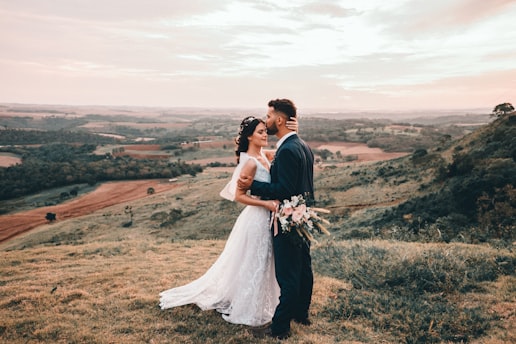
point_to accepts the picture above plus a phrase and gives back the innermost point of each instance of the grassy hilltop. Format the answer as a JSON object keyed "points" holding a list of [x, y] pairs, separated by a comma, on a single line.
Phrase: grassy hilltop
{"points": [[397, 268]]}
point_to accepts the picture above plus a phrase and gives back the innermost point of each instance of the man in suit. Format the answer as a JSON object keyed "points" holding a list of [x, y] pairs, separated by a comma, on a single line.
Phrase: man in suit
{"points": [[291, 175]]}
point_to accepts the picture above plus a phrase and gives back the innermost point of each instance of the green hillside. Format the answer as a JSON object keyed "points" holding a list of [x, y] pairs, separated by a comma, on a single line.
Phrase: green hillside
{"points": [[472, 195]]}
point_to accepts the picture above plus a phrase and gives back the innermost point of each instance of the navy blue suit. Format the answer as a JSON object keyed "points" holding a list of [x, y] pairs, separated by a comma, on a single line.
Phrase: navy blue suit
{"points": [[291, 174]]}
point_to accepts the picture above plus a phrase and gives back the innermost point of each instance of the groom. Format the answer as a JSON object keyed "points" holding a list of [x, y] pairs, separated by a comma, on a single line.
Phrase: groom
{"points": [[291, 175]]}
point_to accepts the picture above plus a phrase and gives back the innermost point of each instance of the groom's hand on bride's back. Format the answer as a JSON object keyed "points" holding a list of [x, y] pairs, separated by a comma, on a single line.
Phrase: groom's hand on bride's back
{"points": [[244, 182]]}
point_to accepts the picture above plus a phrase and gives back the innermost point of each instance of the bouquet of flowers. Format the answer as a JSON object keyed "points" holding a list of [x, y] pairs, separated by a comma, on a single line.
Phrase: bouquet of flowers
{"points": [[294, 213]]}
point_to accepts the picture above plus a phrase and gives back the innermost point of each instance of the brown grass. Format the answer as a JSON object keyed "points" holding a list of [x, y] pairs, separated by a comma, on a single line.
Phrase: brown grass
{"points": [[89, 279], [107, 292]]}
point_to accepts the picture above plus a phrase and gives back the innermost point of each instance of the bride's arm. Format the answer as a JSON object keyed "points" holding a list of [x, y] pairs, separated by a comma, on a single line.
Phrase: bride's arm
{"points": [[241, 196], [269, 154], [293, 124]]}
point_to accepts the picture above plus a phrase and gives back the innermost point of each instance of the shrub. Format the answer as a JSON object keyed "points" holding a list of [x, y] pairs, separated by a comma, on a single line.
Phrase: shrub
{"points": [[411, 295]]}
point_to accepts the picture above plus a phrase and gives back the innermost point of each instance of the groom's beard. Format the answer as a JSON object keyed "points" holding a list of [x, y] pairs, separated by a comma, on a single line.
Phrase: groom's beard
{"points": [[273, 129]]}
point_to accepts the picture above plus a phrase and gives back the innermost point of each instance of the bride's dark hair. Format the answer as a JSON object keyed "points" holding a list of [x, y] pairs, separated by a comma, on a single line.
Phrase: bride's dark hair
{"points": [[247, 128]]}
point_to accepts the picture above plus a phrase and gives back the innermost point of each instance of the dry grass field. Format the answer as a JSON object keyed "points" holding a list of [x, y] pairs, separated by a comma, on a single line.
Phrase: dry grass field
{"points": [[95, 274], [7, 160], [104, 196], [107, 292], [89, 279]]}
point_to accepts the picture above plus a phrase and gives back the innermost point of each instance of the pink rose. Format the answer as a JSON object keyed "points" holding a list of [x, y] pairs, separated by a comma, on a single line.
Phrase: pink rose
{"points": [[287, 211], [298, 213]]}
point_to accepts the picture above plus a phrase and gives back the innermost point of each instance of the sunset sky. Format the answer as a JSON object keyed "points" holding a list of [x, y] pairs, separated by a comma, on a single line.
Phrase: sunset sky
{"points": [[333, 55]]}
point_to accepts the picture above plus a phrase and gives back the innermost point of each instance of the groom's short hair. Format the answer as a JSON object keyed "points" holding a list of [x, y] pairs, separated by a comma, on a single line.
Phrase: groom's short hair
{"points": [[285, 106]]}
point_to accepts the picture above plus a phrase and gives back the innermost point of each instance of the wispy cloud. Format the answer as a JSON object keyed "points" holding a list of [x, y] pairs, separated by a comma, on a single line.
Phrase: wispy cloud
{"points": [[338, 54]]}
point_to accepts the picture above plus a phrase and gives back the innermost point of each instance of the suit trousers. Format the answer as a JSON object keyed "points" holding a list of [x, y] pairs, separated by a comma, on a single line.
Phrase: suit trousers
{"points": [[294, 274]]}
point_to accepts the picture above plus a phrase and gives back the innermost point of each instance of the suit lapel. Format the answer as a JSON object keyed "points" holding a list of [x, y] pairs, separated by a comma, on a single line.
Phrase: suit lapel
{"points": [[274, 172]]}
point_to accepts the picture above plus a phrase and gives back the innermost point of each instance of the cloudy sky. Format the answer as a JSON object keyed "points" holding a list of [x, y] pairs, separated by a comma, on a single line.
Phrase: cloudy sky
{"points": [[342, 55]]}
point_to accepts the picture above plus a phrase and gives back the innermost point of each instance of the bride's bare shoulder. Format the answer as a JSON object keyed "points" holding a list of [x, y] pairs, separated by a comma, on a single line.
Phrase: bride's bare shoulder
{"points": [[249, 167]]}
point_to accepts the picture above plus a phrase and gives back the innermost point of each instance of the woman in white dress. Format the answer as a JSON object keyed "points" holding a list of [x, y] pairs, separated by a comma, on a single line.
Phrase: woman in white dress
{"points": [[241, 284]]}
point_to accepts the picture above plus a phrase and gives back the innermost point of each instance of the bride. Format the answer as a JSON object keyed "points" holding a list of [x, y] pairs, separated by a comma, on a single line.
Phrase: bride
{"points": [[241, 284]]}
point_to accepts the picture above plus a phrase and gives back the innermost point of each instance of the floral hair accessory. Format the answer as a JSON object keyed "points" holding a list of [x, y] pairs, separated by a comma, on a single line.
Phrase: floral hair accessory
{"points": [[245, 123]]}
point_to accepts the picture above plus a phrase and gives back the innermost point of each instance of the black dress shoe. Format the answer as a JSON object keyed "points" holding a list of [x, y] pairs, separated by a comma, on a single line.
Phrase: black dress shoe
{"points": [[279, 336], [267, 332], [305, 321]]}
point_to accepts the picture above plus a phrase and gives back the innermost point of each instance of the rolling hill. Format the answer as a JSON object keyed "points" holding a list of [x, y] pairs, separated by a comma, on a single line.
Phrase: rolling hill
{"points": [[378, 279]]}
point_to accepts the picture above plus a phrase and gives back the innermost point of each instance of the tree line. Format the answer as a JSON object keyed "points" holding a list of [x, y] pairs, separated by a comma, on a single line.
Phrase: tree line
{"points": [[30, 137], [57, 165]]}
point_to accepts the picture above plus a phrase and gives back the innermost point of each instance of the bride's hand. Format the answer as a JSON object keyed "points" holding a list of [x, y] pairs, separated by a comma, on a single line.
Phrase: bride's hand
{"points": [[292, 124], [272, 205]]}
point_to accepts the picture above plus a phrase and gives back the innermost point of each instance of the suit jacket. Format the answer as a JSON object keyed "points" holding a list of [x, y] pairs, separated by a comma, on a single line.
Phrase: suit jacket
{"points": [[292, 173]]}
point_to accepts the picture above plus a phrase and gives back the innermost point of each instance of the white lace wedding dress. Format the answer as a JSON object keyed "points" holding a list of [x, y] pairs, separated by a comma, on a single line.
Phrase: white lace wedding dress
{"points": [[241, 283]]}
